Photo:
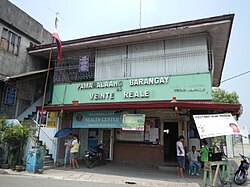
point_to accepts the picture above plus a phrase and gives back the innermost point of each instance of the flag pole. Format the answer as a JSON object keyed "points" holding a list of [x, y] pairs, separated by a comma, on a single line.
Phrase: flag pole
{"points": [[45, 90], [46, 83]]}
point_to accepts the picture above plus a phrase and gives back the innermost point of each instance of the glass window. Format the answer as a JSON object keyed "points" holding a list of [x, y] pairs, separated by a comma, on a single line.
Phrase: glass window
{"points": [[10, 41]]}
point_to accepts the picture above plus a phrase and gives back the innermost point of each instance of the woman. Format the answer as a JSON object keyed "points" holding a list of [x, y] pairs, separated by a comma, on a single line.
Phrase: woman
{"points": [[74, 151]]}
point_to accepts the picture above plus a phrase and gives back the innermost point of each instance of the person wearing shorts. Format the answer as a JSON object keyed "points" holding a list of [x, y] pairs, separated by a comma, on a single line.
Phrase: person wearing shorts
{"points": [[74, 151], [180, 156]]}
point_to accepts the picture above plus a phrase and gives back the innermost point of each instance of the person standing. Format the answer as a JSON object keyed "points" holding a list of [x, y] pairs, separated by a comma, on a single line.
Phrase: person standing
{"points": [[180, 156], [67, 144], [74, 151], [204, 153], [193, 158]]}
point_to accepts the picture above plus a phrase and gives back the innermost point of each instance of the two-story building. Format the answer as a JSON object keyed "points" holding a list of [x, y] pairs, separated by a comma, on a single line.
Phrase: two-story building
{"points": [[21, 75], [163, 74]]}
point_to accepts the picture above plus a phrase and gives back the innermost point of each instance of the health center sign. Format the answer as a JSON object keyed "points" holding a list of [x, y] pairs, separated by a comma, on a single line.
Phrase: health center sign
{"points": [[216, 125], [98, 119]]}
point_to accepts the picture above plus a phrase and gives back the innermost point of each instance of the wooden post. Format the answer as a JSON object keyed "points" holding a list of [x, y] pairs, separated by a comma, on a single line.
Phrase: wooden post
{"points": [[216, 174]]}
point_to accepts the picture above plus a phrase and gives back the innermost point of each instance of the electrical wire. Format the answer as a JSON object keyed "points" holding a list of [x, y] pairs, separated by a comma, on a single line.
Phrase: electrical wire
{"points": [[235, 76]]}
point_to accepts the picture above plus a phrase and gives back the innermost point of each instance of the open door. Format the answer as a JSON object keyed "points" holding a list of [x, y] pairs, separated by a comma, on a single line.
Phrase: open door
{"points": [[170, 139]]}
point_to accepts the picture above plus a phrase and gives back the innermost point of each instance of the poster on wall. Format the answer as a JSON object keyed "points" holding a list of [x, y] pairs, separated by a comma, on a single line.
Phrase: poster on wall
{"points": [[10, 96], [216, 125], [84, 63], [133, 122], [51, 119], [42, 118]]}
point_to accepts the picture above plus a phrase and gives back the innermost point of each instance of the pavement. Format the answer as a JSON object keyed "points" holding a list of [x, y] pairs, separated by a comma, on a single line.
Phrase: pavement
{"points": [[116, 173], [125, 173], [122, 173]]}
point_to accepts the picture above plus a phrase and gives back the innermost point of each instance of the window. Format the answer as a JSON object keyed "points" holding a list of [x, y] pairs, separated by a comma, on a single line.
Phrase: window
{"points": [[10, 41], [75, 69]]}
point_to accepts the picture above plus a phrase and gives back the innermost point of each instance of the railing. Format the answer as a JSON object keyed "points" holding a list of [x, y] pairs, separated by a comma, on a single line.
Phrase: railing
{"points": [[45, 136]]}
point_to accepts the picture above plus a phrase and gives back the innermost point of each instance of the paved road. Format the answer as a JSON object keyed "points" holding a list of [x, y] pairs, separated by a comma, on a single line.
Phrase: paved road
{"points": [[111, 175], [26, 181]]}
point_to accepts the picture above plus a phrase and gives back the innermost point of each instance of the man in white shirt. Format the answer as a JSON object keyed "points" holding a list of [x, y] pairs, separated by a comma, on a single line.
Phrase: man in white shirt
{"points": [[180, 156], [193, 157]]}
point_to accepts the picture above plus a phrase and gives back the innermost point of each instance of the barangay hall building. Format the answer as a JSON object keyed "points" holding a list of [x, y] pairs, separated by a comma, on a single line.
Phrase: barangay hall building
{"points": [[153, 79]]}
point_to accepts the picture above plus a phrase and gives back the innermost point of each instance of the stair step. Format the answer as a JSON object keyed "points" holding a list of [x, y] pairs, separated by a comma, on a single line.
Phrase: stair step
{"points": [[47, 157], [48, 162], [48, 167]]}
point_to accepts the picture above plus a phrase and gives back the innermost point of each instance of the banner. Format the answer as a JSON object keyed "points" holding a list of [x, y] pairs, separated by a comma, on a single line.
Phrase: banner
{"points": [[216, 125], [134, 122], [51, 119], [98, 119]]}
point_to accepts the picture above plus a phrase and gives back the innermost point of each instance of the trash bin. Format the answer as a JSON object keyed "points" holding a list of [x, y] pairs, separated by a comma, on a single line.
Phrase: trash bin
{"points": [[35, 159]]}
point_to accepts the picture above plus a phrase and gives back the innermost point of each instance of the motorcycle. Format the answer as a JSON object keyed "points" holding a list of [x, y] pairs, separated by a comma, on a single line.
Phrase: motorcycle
{"points": [[240, 176], [93, 157]]}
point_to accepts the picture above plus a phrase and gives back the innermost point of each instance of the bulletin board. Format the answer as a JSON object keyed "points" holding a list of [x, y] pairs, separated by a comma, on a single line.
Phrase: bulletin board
{"points": [[150, 133]]}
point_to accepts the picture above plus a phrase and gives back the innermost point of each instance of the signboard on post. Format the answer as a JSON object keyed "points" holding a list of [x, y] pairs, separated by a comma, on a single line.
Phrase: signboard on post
{"points": [[216, 125]]}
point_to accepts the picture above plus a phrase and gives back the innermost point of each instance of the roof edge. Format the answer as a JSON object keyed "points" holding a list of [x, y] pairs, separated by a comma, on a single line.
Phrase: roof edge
{"points": [[142, 30]]}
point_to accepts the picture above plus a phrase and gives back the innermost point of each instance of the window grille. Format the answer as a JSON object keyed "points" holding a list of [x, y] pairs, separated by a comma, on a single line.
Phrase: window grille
{"points": [[75, 70]]}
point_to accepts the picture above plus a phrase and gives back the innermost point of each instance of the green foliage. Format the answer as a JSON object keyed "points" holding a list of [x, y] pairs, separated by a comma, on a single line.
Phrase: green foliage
{"points": [[14, 137], [219, 95]]}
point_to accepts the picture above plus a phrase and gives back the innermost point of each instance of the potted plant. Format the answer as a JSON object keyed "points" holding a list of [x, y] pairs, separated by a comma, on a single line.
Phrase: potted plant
{"points": [[3, 144], [15, 137]]}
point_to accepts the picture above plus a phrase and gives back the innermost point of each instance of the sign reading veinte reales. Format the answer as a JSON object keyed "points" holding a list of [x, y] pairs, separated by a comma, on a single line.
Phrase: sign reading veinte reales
{"points": [[184, 87], [118, 84]]}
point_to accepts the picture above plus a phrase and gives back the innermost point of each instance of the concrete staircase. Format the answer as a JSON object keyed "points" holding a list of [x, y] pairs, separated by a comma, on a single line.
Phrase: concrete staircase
{"points": [[45, 136], [48, 162]]}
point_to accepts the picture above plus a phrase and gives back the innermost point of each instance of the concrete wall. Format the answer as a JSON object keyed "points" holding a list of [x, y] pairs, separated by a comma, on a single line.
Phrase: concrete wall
{"points": [[139, 153], [30, 31], [28, 88], [21, 21]]}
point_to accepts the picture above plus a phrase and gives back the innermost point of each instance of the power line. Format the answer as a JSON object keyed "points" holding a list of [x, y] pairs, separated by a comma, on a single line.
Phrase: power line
{"points": [[235, 76], [140, 16]]}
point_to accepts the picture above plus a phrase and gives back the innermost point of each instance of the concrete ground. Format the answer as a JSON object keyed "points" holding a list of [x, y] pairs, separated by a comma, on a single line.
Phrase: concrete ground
{"points": [[118, 174], [115, 173]]}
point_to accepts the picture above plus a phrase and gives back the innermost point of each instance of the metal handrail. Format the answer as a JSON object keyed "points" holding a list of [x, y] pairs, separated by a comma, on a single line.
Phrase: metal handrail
{"points": [[44, 132]]}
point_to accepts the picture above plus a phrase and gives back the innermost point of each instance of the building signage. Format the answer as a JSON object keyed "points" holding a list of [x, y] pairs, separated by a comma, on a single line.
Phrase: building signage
{"points": [[10, 96], [183, 87], [51, 121], [216, 125], [84, 63], [134, 122], [98, 119]]}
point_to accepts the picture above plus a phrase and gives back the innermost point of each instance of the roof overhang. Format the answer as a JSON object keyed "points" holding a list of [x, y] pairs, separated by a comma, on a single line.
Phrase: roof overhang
{"points": [[21, 75], [219, 28], [190, 105]]}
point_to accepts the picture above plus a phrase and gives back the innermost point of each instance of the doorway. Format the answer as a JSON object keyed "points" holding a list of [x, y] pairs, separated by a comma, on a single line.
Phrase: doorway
{"points": [[107, 143], [170, 139], [92, 138]]}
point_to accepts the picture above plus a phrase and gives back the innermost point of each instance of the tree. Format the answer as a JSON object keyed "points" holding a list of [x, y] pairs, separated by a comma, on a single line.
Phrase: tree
{"points": [[220, 95]]}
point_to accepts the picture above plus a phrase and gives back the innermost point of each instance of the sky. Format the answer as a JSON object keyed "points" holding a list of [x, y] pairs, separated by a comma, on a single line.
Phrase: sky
{"points": [[83, 18]]}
